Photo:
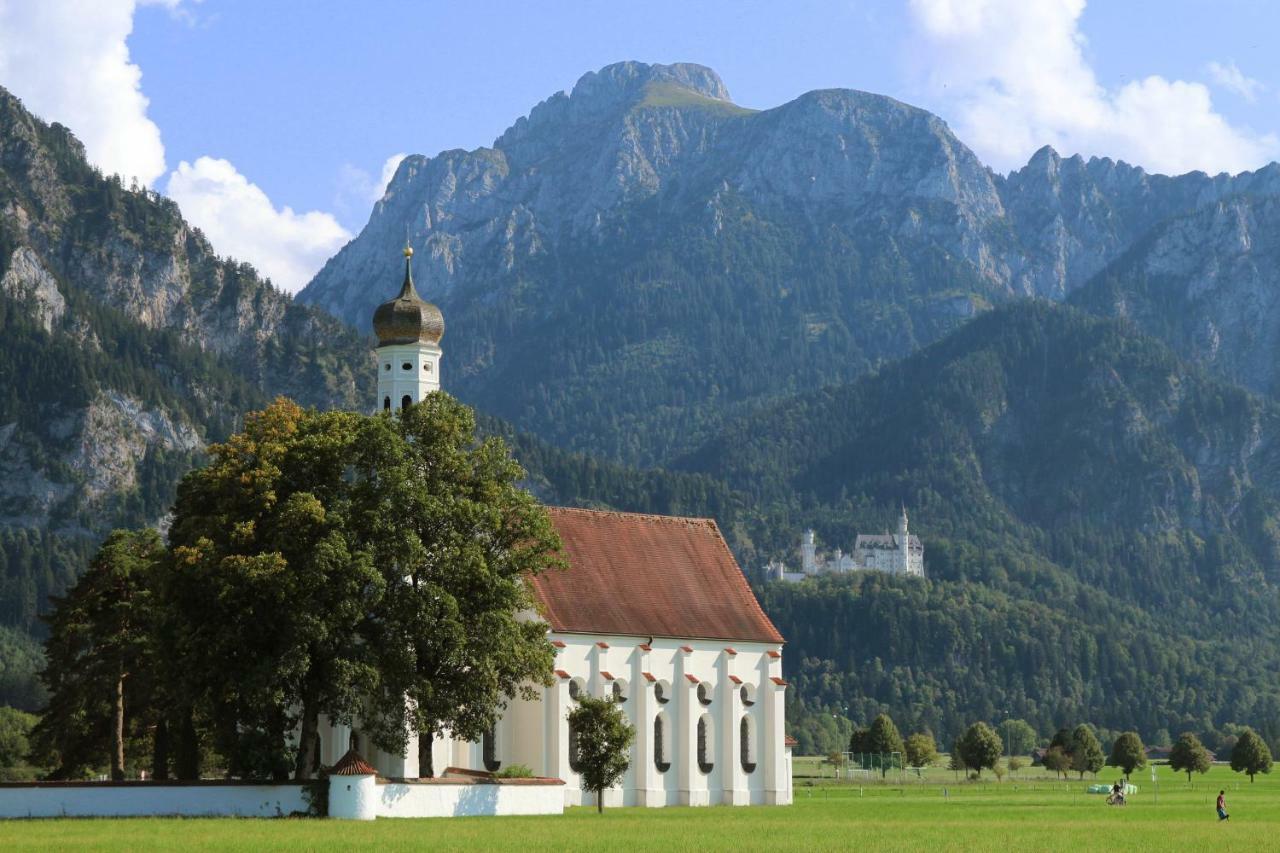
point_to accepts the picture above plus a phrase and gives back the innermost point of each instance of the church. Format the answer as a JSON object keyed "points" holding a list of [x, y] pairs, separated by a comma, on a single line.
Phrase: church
{"points": [[651, 610]]}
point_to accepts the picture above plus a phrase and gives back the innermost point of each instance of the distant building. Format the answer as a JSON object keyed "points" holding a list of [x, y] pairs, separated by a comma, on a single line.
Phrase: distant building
{"points": [[893, 553]]}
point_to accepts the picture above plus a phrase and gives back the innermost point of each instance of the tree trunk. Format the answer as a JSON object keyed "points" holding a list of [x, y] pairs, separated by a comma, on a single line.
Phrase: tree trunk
{"points": [[600, 801], [117, 732], [307, 740], [160, 751], [188, 763], [426, 762]]}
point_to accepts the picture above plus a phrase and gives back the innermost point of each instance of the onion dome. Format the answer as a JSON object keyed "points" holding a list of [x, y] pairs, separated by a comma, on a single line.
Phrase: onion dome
{"points": [[408, 319]]}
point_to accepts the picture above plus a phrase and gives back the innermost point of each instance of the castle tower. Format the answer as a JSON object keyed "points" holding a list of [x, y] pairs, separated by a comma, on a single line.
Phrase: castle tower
{"points": [[904, 544], [808, 553], [409, 330]]}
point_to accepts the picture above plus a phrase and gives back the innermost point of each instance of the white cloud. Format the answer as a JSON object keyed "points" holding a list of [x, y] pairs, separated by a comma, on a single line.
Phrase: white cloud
{"points": [[1231, 78], [241, 221], [1015, 75], [389, 167], [69, 62]]}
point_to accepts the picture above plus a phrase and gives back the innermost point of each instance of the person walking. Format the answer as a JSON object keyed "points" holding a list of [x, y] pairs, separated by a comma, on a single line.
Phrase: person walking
{"points": [[1222, 806]]}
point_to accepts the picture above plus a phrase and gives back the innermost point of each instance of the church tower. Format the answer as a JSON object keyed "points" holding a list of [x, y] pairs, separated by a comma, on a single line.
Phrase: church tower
{"points": [[409, 330]]}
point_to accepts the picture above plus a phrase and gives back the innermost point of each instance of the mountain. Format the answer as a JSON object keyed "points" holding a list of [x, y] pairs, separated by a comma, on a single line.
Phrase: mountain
{"points": [[126, 345], [1208, 282], [1100, 520], [641, 259]]}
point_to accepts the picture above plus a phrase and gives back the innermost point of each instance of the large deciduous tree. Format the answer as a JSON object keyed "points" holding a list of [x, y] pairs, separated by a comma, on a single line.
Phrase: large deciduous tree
{"points": [[980, 747], [1251, 754], [1189, 755], [274, 587], [603, 739], [1086, 751], [1128, 753], [100, 661], [456, 539]]}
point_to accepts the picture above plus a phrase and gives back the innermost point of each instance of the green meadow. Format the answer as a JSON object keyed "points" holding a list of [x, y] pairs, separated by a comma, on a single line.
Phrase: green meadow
{"points": [[934, 814]]}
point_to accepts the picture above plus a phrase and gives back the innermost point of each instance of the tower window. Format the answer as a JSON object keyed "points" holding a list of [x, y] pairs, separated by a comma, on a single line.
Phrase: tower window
{"points": [[408, 365], [386, 366], [661, 758], [405, 402], [427, 366], [386, 404]]}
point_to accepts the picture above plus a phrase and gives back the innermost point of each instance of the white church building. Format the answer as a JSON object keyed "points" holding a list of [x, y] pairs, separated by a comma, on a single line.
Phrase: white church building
{"points": [[651, 610]]}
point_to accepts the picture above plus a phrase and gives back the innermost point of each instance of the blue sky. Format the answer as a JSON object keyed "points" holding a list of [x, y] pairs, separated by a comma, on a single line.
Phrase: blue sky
{"points": [[271, 122]]}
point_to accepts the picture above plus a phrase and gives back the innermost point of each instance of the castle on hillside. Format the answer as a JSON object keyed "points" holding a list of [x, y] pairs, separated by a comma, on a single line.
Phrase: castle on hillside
{"points": [[894, 553]]}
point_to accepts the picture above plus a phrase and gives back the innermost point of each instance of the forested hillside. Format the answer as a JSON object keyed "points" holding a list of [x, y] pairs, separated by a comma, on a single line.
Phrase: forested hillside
{"points": [[1100, 522]]}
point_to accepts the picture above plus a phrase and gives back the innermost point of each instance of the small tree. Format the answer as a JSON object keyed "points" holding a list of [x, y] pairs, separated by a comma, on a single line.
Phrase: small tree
{"points": [[604, 740], [920, 750], [1086, 752], [1018, 736], [956, 762], [1189, 755], [1057, 760], [883, 738], [1128, 753], [1251, 754], [1016, 763], [980, 747]]}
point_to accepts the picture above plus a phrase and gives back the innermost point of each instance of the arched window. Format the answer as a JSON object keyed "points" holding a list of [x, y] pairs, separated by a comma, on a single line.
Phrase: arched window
{"points": [[748, 694], [577, 687], [405, 402], [705, 692], [661, 757], [662, 692], [386, 404], [705, 763], [489, 750], [747, 745], [575, 757], [619, 690]]}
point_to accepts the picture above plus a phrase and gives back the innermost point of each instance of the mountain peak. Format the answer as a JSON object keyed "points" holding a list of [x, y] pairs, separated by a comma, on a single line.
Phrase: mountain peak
{"points": [[616, 89]]}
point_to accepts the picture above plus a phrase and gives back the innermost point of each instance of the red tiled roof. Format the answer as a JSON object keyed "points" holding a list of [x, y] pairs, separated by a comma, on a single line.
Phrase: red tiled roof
{"points": [[735, 679], [692, 678], [602, 644], [645, 647], [778, 681], [559, 644], [648, 575], [352, 764], [649, 676], [790, 741], [562, 673], [774, 654], [730, 651], [686, 648], [608, 676]]}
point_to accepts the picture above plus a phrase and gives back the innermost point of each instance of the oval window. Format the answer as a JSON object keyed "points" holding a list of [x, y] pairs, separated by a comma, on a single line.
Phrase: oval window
{"points": [[408, 365]]}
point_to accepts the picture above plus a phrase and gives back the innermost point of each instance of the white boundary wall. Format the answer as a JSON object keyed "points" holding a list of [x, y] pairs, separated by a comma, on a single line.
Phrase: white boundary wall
{"points": [[149, 799], [435, 798]]}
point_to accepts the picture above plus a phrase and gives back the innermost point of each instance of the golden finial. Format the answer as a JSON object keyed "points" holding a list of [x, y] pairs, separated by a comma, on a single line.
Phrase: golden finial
{"points": [[408, 251]]}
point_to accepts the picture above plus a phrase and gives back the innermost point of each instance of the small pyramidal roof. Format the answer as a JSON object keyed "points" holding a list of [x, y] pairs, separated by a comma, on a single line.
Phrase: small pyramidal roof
{"points": [[352, 764]]}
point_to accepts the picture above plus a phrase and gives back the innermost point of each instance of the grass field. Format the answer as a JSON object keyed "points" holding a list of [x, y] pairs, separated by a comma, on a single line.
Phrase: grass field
{"points": [[1026, 815]]}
